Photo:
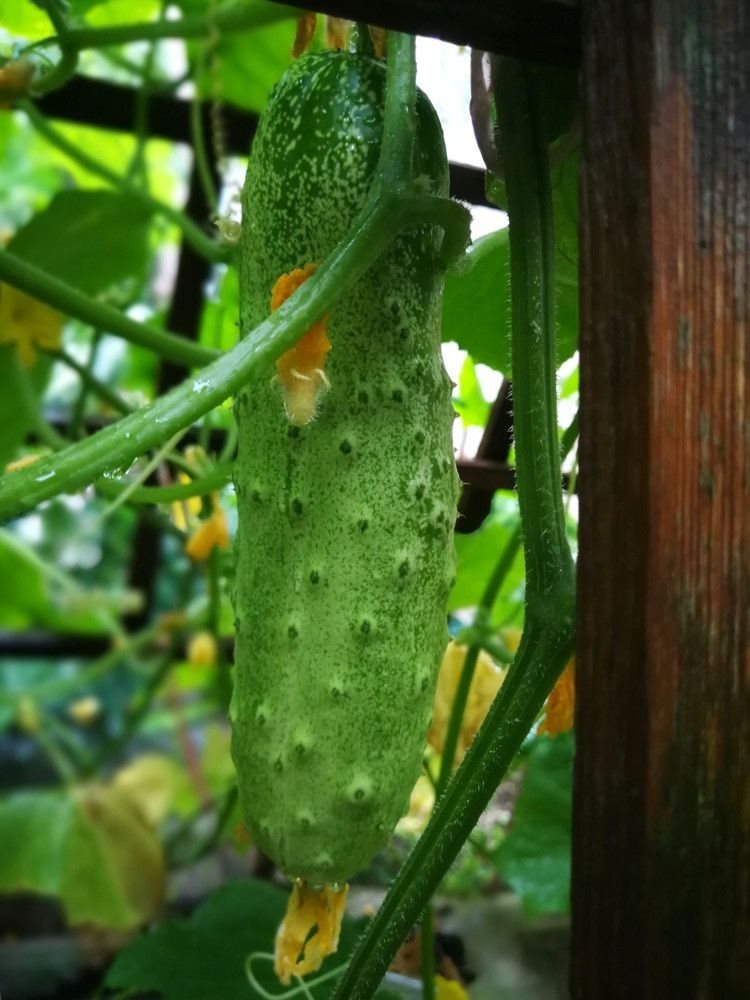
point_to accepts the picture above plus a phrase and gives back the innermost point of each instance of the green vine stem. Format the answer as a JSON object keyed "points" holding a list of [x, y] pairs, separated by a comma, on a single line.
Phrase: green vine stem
{"points": [[68, 64], [135, 714], [90, 381], [399, 119], [193, 234], [231, 18], [214, 480], [388, 209], [32, 405], [549, 634], [201, 154], [481, 620], [56, 293]]}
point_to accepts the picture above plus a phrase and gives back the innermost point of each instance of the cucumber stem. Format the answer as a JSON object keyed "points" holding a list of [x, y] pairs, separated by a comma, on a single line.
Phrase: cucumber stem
{"points": [[399, 117]]}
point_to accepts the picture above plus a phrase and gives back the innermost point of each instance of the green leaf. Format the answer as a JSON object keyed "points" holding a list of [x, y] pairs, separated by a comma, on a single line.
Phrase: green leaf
{"points": [[219, 321], [470, 404], [204, 956], [477, 555], [534, 858], [248, 65], [88, 848], [476, 302], [105, 12], [25, 20], [90, 239]]}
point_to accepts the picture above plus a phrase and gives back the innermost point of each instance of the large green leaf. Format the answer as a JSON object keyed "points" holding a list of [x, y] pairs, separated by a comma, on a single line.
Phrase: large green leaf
{"points": [[88, 848], [24, 19], [90, 239], [534, 858], [476, 303], [204, 956]]}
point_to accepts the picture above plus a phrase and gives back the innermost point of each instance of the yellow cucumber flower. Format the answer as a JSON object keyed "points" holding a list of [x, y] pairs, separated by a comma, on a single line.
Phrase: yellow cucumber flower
{"points": [[210, 533], [560, 712], [484, 686], [27, 324]]}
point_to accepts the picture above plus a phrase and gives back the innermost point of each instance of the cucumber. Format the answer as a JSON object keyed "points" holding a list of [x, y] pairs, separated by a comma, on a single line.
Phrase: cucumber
{"points": [[345, 542]]}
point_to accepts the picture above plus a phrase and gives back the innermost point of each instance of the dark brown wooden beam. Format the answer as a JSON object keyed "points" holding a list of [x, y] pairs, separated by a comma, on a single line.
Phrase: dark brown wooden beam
{"points": [[661, 858], [541, 30], [113, 106]]}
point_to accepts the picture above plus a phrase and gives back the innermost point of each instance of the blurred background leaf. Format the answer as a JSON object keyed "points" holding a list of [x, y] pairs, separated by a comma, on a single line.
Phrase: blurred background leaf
{"points": [[88, 848], [534, 858]]}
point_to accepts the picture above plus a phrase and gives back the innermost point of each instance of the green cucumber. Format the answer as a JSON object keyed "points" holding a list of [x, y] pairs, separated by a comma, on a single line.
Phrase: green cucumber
{"points": [[345, 543]]}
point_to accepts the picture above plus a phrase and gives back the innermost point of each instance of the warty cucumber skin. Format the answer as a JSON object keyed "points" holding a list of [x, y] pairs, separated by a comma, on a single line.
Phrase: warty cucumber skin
{"points": [[345, 544]]}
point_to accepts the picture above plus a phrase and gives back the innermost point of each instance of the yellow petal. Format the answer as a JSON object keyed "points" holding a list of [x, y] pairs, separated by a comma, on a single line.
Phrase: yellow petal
{"points": [[84, 710], [449, 989], [421, 801], [23, 461], [202, 650], [560, 712], [26, 322], [295, 955], [484, 686], [211, 533], [184, 510]]}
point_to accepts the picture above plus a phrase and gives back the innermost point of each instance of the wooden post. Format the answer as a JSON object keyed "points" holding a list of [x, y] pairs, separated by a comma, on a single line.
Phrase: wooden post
{"points": [[661, 858]]}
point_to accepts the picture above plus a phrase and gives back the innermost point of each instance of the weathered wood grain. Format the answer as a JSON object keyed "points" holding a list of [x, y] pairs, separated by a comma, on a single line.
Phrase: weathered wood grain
{"points": [[661, 866]]}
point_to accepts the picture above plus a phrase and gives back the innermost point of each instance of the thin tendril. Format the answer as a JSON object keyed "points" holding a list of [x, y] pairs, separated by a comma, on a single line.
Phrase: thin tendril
{"points": [[302, 987]]}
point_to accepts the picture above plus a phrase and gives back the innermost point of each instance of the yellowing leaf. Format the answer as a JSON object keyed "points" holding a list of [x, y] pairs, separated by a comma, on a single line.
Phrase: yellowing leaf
{"points": [[484, 686], [87, 847], [183, 511], [27, 323], [295, 955], [154, 784]]}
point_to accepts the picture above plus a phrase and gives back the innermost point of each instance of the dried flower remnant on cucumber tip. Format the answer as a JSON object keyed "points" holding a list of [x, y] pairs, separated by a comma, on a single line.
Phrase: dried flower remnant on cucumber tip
{"points": [[296, 952]]}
